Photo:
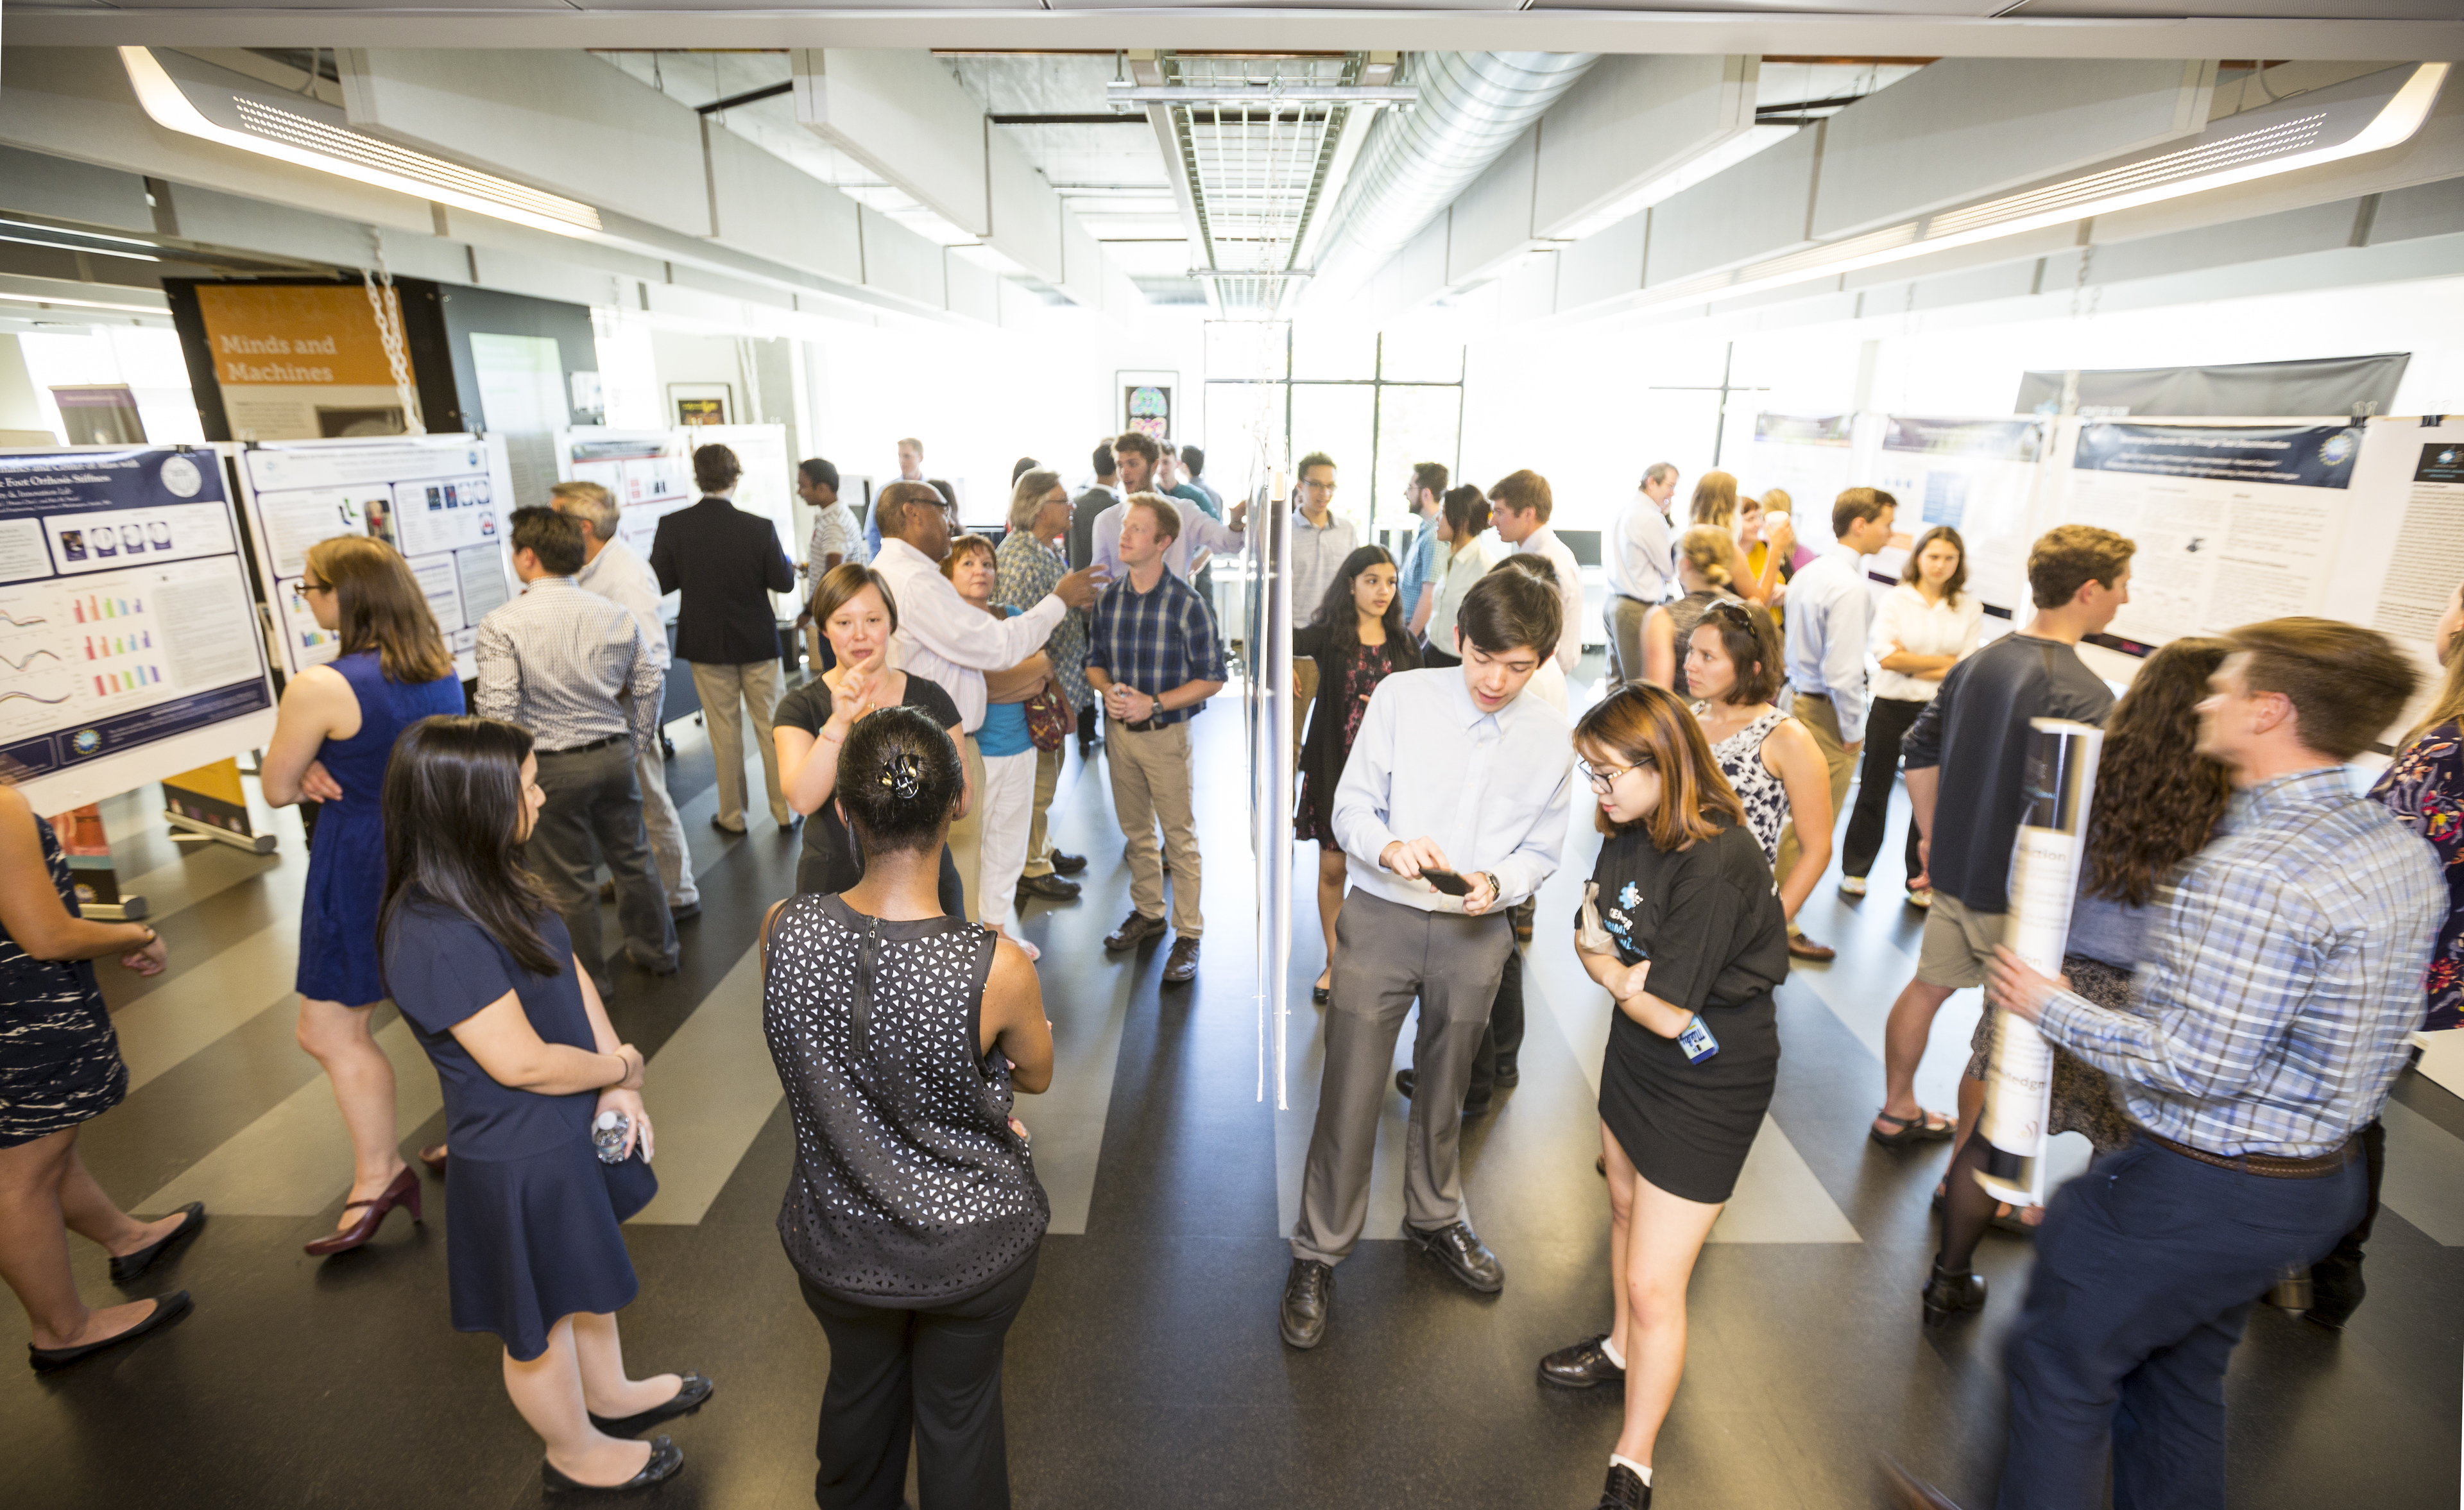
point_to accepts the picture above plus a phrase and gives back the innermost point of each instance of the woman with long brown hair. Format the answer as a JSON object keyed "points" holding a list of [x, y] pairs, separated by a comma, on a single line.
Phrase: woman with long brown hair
{"points": [[2157, 803], [332, 739], [1680, 924], [1924, 626]]}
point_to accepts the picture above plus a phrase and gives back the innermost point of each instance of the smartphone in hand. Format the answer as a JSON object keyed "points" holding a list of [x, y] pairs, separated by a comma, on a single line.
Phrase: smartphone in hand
{"points": [[1447, 881]]}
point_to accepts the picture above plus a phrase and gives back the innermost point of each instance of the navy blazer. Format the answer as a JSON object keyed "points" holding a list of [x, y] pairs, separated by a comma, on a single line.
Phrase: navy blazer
{"points": [[725, 561]]}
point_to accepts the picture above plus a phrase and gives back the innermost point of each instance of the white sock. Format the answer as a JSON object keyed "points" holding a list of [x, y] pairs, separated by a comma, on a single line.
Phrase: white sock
{"points": [[1610, 1349], [1641, 1471]]}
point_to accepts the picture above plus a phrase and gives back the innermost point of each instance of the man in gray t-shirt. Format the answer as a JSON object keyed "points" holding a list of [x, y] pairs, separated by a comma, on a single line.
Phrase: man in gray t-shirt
{"points": [[1967, 766]]}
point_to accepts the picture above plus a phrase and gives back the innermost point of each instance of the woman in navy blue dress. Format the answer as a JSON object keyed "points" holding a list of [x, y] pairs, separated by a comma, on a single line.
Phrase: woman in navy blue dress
{"points": [[331, 740], [483, 970]]}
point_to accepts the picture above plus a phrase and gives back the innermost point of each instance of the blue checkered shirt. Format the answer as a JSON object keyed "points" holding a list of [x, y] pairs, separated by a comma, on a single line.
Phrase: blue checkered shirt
{"points": [[1154, 641], [2283, 978]]}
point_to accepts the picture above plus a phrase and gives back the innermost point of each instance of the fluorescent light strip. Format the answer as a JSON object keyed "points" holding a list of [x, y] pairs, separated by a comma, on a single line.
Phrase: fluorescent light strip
{"points": [[63, 230], [352, 155], [2285, 136], [69, 245], [2219, 165]]}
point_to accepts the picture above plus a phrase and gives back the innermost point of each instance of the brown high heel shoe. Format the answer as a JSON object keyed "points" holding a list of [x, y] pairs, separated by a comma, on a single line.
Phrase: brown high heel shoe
{"points": [[403, 1191]]}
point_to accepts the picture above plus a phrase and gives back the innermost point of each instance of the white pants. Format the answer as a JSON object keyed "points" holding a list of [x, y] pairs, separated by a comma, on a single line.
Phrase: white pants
{"points": [[1007, 801], [674, 860]]}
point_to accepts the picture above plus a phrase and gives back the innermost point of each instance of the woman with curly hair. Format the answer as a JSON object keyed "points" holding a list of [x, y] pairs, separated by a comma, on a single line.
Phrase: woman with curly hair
{"points": [[2157, 803]]}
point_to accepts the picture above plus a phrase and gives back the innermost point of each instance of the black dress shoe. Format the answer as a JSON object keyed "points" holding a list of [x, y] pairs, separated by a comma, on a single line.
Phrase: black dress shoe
{"points": [[126, 1269], [1585, 1365], [1946, 1294], [1051, 888], [692, 1393], [1180, 966], [1135, 930], [667, 1460], [1460, 1250], [167, 1308], [1067, 864], [1625, 1489], [678, 911], [1405, 1080], [1509, 1072], [1308, 1296], [723, 828]]}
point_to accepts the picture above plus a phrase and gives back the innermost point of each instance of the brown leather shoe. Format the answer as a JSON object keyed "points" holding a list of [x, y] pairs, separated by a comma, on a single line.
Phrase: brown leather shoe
{"points": [[1135, 930], [1180, 966], [1801, 947]]}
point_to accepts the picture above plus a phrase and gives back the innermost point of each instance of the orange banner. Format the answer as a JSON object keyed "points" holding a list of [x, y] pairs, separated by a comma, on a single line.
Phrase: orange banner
{"points": [[294, 334]]}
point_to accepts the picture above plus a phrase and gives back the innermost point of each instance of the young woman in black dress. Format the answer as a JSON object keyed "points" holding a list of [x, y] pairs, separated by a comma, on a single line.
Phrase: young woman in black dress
{"points": [[481, 967], [1680, 924], [1357, 640]]}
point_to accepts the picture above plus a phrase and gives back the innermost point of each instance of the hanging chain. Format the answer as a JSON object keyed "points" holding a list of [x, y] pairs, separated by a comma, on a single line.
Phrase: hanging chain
{"points": [[387, 306]]}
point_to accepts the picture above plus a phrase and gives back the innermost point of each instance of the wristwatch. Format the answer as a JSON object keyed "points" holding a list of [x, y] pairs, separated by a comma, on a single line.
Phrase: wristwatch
{"points": [[1496, 892]]}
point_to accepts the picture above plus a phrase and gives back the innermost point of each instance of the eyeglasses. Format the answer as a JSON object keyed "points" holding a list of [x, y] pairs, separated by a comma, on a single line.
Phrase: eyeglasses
{"points": [[316, 587], [1604, 777]]}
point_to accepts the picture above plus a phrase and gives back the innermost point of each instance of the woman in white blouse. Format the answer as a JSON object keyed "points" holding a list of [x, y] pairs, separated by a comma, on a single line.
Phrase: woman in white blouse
{"points": [[1925, 625]]}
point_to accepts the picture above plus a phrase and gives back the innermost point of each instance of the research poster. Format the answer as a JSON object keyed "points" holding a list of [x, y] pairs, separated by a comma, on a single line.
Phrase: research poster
{"points": [[1977, 476], [2398, 573], [301, 361], [1813, 458], [127, 633], [2235, 523], [438, 500], [648, 472]]}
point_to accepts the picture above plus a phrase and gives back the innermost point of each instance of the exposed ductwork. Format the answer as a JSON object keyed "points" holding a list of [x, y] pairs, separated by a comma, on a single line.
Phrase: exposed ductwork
{"points": [[1472, 106]]}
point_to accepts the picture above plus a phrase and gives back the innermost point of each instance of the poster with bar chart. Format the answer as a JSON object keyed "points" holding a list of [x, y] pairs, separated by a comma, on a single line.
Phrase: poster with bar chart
{"points": [[129, 645], [444, 501]]}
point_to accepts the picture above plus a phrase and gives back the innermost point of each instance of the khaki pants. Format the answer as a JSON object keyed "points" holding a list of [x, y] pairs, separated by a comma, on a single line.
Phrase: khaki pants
{"points": [[755, 684], [967, 834], [1038, 839], [1304, 697], [1151, 785], [1625, 616], [1822, 722]]}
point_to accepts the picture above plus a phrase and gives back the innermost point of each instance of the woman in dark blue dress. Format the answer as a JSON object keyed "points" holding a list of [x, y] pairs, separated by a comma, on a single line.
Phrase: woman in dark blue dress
{"points": [[331, 740], [483, 970]]}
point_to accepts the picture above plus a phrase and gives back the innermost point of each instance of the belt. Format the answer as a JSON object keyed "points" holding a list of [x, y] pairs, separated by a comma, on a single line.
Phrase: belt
{"points": [[2318, 1166], [1818, 697], [582, 749]]}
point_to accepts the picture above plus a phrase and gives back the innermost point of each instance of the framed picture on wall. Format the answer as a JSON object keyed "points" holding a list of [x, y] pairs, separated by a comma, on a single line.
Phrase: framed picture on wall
{"points": [[1147, 400], [703, 403]]}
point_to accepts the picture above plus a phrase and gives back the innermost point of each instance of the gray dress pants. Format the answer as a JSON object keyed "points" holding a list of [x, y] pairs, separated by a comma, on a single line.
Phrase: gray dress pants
{"points": [[594, 809], [1385, 955]]}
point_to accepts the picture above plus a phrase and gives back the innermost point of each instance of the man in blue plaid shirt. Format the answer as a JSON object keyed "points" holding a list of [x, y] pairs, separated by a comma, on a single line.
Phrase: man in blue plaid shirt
{"points": [[1153, 657], [2282, 980]]}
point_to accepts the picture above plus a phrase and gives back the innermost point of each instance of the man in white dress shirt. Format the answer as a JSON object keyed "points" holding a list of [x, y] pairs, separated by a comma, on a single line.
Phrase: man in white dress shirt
{"points": [[611, 569], [1521, 505], [1830, 618], [1641, 560], [1455, 776]]}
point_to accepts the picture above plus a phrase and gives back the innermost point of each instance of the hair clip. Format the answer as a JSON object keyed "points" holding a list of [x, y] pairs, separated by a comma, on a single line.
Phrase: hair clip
{"points": [[903, 773]]}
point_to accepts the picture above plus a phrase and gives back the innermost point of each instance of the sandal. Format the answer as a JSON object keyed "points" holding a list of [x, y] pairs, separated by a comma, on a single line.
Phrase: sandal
{"points": [[1912, 1130], [2007, 1218]]}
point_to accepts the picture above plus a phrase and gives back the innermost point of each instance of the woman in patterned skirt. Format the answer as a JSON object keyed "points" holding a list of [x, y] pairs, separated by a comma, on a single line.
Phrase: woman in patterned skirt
{"points": [[59, 1064]]}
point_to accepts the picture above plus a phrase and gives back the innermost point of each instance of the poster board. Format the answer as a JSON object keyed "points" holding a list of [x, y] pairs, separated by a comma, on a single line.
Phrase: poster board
{"points": [[126, 629], [1979, 477], [300, 361], [648, 472], [2397, 572], [767, 488], [439, 500], [1814, 457]]}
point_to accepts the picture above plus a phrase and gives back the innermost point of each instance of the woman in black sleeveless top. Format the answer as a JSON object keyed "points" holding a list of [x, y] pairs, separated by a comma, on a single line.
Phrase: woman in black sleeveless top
{"points": [[913, 1213]]}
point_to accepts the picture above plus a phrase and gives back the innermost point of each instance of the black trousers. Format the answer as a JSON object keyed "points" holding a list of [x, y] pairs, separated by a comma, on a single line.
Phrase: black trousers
{"points": [[932, 1373], [1088, 724], [1887, 722], [594, 811], [1504, 1039]]}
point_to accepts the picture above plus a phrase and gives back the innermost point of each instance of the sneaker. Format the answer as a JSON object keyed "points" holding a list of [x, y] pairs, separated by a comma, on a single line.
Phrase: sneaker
{"points": [[1919, 895], [1852, 885]]}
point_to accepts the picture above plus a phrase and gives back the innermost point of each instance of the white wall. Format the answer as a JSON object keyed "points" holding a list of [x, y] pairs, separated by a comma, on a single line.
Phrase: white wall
{"points": [[146, 358]]}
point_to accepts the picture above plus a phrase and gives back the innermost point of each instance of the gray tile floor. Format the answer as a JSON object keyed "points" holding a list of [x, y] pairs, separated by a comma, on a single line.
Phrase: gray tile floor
{"points": [[1145, 1368]]}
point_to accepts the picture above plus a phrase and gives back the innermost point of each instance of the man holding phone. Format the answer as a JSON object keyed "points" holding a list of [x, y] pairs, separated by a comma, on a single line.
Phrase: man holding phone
{"points": [[1452, 809]]}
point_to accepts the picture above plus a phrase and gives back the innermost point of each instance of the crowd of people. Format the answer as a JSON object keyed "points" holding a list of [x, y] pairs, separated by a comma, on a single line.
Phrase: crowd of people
{"points": [[2253, 941]]}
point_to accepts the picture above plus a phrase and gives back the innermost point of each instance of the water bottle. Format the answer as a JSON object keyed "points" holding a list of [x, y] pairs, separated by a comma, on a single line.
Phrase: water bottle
{"points": [[608, 1134]]}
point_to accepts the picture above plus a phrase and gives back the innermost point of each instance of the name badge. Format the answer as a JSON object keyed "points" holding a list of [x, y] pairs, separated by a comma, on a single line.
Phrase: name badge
{"points": [[1697, 1041]]}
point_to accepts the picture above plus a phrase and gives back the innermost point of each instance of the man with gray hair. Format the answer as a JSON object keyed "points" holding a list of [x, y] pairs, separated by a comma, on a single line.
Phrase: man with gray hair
{"points": [[611, 568], [1643, 567]]}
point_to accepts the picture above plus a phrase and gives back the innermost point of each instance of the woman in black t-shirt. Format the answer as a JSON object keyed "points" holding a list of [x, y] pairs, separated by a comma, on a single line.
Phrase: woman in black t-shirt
{"points": [[857, 614], [1680, 924]]}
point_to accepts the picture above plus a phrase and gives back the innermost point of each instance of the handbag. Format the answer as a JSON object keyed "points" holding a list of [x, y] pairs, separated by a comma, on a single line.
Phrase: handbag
{"points": [[1049, 719]]}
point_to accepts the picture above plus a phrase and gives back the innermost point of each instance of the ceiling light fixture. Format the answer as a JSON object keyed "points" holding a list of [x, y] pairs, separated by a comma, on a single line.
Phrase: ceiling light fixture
{"points": [[308, 133], [2367, 115], [1371, 96], [71, 246]]}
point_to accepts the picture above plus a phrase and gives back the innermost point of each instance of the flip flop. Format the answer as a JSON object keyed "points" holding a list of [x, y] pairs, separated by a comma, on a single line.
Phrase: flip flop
{"points": [[1913, 1130]]}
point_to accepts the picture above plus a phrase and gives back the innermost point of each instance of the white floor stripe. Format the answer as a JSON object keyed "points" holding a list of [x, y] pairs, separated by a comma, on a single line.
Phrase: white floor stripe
{"points": [[185, 1014], [708, 1090]]}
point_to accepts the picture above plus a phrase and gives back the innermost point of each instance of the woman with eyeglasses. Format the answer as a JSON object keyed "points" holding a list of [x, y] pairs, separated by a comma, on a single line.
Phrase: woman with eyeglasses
{"points": [[1732, 665], [333, 741], [1680, 924]]}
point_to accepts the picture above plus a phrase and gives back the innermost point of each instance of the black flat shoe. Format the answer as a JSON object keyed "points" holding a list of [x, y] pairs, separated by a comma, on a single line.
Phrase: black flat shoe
{"points": [[1509, 1072], [1947, 1295], [1461, 1253], [167, 1308], [667, 1460], [126, 1269], [693, 1392], [1320, 995], [1585, 1365]]}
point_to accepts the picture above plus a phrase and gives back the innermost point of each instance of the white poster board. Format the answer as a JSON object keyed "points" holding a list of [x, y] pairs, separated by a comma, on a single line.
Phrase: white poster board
{"points": [[1979, 477], [1814, 457], [439, 500], [127, 635], [648, 472], [2398, 573], [768, 487]]}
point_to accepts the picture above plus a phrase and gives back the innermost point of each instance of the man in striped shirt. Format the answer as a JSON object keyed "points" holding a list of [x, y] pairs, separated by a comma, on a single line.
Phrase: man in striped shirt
{"points": [[2282, 981], [1155, 658]]}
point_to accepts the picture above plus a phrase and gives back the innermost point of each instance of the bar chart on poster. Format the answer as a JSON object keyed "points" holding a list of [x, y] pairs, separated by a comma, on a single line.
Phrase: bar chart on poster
{"points": [[128, 637], [438, 500]]}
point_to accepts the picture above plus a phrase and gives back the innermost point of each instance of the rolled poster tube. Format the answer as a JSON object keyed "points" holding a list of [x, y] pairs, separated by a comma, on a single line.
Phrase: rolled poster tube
{"points": [[2044, 879]]}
